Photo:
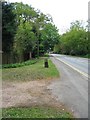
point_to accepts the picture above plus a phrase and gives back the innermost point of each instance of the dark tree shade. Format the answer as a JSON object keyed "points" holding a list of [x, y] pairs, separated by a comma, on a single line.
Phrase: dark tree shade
{"points": [[8, 26]]}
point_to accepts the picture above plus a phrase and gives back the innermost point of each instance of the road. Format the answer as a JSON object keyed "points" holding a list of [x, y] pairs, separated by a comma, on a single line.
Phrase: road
{"points": [[72, 88], [79, 64]]}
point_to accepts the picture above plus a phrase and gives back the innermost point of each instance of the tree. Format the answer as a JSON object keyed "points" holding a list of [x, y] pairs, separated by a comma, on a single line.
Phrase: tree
{"points": [[8, 27], [25, 12], [75, 40], [39, 24], [34, 31], [79, 39], [8, 31], [25, 39], [50, 37], [36, 19]]}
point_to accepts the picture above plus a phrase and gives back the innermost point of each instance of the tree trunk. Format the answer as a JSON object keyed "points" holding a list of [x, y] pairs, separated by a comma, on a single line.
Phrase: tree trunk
{"points": [[30, 55], [21, 59]]}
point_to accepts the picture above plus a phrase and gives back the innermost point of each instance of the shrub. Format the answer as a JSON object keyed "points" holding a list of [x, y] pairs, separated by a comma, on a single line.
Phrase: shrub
{"points": [[29, 62]]}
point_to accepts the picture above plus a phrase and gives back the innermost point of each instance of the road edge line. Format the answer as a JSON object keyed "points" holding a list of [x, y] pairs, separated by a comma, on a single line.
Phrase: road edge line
{"points": [[86, 75]]}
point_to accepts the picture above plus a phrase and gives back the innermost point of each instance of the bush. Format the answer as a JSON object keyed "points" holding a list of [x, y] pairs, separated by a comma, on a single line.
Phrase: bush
{"points": [[46, 55], [29, 62]]}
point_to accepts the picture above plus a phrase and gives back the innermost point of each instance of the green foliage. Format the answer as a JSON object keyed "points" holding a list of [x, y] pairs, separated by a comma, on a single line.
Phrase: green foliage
{"points": [[25, 12], [29, 34], [57, 48], [50, 37], [74, 41], [35, 112], [29, 62], [8, 27], [25, 38], [46, 55], [27, 31]]}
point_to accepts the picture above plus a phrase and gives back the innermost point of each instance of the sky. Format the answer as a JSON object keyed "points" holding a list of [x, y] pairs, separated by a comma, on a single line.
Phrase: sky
{"points": [[63, 12]]}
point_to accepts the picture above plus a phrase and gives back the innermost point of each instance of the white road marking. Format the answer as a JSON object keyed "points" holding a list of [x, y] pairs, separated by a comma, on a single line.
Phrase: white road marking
{"points": [[85, 74]]}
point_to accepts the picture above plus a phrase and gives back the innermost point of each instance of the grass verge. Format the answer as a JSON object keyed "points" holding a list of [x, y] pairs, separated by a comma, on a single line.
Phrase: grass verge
{"points": [[35, 112], [35, 71], [84, 56]]}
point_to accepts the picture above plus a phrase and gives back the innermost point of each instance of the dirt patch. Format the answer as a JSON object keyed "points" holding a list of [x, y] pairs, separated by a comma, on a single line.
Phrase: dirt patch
{"points": [[28, 94]]}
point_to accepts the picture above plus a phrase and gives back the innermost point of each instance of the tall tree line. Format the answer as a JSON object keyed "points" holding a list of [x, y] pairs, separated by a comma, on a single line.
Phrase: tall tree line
{"points": [[74, 41], [26, 32]]}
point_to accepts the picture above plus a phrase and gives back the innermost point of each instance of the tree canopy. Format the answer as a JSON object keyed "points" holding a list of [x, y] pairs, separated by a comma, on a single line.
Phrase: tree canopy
{"points": [[27, 32], [8, 27], [74, 41]]}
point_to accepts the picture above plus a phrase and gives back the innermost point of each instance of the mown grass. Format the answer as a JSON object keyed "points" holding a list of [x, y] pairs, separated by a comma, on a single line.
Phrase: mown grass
{"points": [[35, 112], [35, 71]]}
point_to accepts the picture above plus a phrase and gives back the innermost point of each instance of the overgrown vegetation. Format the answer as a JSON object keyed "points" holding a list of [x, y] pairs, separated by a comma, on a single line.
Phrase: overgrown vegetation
{"points": [[35, 112], [35, 71], [26, 32], [29, 62], [74, 41]]}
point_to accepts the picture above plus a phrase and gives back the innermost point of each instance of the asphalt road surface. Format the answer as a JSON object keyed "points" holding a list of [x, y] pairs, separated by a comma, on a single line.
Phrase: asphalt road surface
{"points": [[72, 88], [79, 64]]}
